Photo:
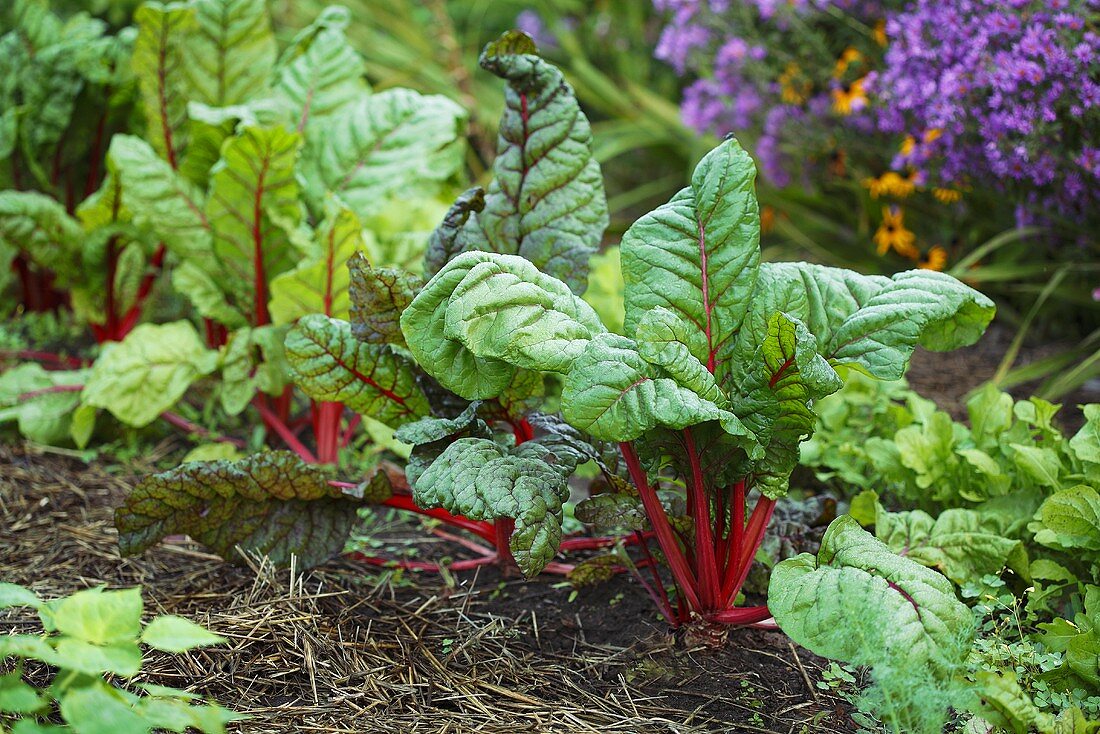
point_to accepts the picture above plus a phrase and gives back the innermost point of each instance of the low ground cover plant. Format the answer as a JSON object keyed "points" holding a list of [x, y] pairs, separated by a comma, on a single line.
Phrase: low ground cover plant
{"points": [[1005, 508], [92, 647]]}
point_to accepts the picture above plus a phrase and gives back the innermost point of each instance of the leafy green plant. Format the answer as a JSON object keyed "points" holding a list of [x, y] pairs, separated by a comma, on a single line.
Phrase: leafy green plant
{"points": [[92, 645], [546, 202], [711, 390], [67, 87], [861, 603]]}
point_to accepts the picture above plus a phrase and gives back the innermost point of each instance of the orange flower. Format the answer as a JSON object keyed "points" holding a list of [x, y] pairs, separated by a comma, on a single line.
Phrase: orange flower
{"points": [[849, 57], [946, 196], [892, 234], [794, 87], [908, 144], [849, 99], [879, 33], [890, 184], [767, 219], [936, 259]]}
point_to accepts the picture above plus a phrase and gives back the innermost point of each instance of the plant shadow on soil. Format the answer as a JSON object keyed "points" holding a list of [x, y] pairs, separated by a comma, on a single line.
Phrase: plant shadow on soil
{"points": [[348, 648]]}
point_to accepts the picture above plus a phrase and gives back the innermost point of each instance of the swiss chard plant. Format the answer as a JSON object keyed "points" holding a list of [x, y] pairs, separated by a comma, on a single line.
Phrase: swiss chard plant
{"points": [[347, 348], [68, 85], [92, 644], [260, 174], [707, 395]]}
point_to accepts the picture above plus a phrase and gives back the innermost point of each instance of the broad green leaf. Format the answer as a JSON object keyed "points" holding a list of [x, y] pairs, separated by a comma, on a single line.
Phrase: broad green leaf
{"points": [[270, 503], [159, 198], [990, 413], [1086, 442], [230, 53], [330, 364], [320, 284], [118, 658], [38, 226], [423, 323], [1040, 464], [28, 647], [505, 309], [664, 340], [99, 709], [160, 65], [546, 202], [1004, 704], [40, 401], [144, 375], [378, 298], [176, 634], [253, 196], [176, 714], [389, 143], [13, 595], [321, 73], [430, 437], [16, 697], [100, 617], [870, 321], [959, 543], [698, 255], [615, 395], [477, 478], [859, 603], [1069, 519]]}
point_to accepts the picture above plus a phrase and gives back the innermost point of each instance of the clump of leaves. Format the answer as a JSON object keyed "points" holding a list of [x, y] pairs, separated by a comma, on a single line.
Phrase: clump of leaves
{"points": [[92, 645], [347, 348], [710, 389]]}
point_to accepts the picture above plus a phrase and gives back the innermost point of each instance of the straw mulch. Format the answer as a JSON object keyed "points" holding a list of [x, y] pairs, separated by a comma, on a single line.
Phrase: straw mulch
{"points": [[348, 649]]}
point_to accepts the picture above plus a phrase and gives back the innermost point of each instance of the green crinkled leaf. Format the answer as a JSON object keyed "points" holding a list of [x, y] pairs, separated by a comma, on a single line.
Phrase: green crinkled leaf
{"points": [[477, 478], [378, 298], [546, 202], [161, 200], [269, 503], [330, 364], [321, 73], [612, 510], [430, 437], [320, 284], [959, 543], [393, 142], [698, 255], [160, 64], [1004, 704], [447, 360], [615, 395], [859, 603], [253, 196], [1069, 519], [231, 52], [144, 375], [870, 321], [666, 341], [38, 226], [505, 309]]}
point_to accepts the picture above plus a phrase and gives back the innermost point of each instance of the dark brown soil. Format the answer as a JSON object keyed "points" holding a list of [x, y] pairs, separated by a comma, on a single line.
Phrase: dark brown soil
{"points": [[351, 649]]}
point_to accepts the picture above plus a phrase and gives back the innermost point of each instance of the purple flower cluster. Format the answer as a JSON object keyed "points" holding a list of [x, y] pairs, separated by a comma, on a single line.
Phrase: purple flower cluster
{"points": [[1011, 89], [737, 50]]}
